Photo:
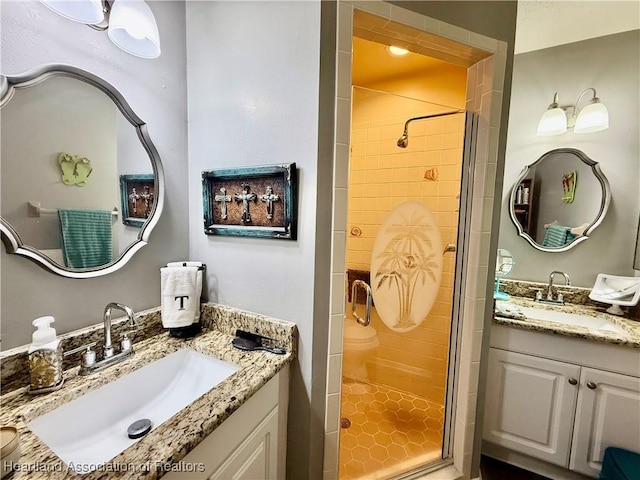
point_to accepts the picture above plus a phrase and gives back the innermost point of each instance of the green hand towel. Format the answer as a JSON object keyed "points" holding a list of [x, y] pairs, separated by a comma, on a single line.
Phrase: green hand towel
{"points": [[86, 237], [557, 236]]}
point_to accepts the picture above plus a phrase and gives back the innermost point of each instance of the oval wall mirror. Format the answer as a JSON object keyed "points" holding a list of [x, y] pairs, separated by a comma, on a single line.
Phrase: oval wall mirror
{"points": [[559, 200], [82, 182]]}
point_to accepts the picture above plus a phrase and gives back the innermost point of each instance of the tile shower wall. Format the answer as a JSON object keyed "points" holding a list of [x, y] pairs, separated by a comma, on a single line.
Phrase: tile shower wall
{"points": [[382, 176]]}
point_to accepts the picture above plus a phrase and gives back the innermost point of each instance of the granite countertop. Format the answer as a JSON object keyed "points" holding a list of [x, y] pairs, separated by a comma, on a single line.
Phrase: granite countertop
{"points": [[172, 440], [630, 337]]}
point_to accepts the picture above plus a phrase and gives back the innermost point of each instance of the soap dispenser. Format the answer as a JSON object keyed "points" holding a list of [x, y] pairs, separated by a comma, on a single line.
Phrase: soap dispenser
{"points": [[45, 358]]}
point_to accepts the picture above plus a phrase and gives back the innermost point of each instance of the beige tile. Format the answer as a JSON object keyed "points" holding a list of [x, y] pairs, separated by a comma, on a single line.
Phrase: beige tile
{"points": [[455, 33], [496, 108], [400, 175], [344, 75], [369, 11], [339, 249], [332, 417], [341, 170], [374, 134], [357, 177], [431, 142], [487, 81], [340, 209], [356, 163], [370, 191], [337, 293], [371, 176], [388, 147], [373, 148], [344, 26], [331, 451], [483, 42], [371, 162], [390, 132], [358, 135], [343, 120], [452, 141], [406, 17], [334, 373], [330, 475], [416, 144], [335, 333]]}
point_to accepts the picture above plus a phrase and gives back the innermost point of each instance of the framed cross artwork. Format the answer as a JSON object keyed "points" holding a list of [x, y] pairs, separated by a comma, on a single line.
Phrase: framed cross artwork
{"points": [[251, 201], [137, 195]]}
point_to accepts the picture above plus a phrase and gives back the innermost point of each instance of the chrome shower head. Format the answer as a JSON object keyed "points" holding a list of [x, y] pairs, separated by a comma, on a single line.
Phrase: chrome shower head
{"points": [[403, 141]]}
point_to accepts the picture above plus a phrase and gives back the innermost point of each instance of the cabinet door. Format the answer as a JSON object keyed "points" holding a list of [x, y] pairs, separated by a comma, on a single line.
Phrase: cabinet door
{"points": [[257, 457], [608, 414], [530, 405]]}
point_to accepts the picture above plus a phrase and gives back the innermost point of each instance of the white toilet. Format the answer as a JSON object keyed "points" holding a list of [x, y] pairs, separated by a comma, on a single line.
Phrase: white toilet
{"points": [[359, 344]]}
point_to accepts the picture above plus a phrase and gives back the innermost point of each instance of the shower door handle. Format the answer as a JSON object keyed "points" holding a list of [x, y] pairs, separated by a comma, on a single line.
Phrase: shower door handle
{"points": [[354, 291]]}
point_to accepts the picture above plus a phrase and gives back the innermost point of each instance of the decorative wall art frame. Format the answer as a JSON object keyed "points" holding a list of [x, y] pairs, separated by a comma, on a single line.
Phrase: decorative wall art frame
{"points": [[251, 201], [137, 197]]}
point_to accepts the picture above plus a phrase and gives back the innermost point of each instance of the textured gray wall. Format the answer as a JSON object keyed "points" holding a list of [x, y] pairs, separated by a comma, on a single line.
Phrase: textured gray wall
{"points": [[253, 82], [611, 65], [156, 90]]}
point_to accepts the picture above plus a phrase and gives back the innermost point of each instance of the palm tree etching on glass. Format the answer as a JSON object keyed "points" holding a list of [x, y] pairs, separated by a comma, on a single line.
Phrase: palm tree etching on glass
{"points": [[407, 260]]}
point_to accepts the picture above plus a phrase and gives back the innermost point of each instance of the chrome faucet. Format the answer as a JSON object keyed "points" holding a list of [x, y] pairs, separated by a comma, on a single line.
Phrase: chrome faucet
{"points": [[89, 364], [108, 348], [549, 298]]}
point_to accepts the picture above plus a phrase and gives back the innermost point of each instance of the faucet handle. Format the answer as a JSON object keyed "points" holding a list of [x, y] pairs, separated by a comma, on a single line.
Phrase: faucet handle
{"points": [[538, 291], [88, 357], [125, 341]]}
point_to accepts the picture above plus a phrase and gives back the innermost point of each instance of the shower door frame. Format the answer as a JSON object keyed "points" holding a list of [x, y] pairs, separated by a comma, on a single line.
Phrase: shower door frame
{"points": [[459, 283], [484, 96]]}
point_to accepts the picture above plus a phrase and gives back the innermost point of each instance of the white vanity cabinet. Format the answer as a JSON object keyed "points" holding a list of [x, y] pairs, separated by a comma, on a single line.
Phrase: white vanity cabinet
{"points": [[250, 444], [546, 400], [530, 405]]}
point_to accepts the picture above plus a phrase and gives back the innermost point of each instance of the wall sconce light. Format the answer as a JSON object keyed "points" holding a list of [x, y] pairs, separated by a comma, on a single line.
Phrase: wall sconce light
{"points": [[130, 24], [557, 119]]}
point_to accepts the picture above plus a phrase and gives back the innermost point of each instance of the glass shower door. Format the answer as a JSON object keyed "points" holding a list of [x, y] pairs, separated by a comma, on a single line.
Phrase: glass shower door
{"points": [[404, 209]]}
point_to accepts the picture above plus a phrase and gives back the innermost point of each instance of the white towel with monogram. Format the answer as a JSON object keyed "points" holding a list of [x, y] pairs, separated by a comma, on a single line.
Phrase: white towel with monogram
{"points": [[181, 287]]}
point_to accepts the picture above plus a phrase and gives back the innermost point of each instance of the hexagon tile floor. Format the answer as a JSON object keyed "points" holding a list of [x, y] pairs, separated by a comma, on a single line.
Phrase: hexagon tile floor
{"points": [[391, 432]]}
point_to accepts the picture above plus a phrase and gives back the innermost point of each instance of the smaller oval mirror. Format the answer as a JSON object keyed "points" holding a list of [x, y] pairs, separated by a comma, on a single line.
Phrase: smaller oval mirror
{"points": [[504, 265], [82, 182], [559, 200]]}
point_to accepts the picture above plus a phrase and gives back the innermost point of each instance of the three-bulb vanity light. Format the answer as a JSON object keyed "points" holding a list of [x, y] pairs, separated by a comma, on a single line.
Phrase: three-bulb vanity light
{"points": [[130, 24], [557, 119]]}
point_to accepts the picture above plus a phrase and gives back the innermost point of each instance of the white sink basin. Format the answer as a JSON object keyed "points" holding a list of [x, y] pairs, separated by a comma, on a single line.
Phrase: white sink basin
{"points": [[92, 429], [592, 323]]}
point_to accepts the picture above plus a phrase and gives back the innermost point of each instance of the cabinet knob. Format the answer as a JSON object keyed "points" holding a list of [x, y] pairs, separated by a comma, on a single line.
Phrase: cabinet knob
{"points": [[592, 385], [573, 381]]}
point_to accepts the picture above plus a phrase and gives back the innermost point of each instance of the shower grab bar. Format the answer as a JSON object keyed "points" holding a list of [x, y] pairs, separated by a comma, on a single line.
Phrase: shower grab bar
{"points": [[451, 247], [354, 290]]}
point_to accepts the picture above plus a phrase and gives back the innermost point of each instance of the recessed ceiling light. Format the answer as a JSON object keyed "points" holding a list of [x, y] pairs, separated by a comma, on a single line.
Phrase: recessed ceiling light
{"points": [[397, 51]]}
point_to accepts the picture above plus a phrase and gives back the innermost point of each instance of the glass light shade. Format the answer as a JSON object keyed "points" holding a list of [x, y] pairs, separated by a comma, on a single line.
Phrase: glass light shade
{"points": [[552, 122], [83, 11], [133, 28], [397, 51], [592, 118]]}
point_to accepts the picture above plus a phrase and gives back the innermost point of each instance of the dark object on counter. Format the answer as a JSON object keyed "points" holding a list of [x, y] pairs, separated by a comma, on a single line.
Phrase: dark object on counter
{"points": [[246, 344], [251, 341], [186, 332], [620, 464]]}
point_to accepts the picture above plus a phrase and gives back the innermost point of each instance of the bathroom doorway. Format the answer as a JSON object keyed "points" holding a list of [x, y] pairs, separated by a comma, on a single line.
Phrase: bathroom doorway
{"points": [[405, 189]]}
